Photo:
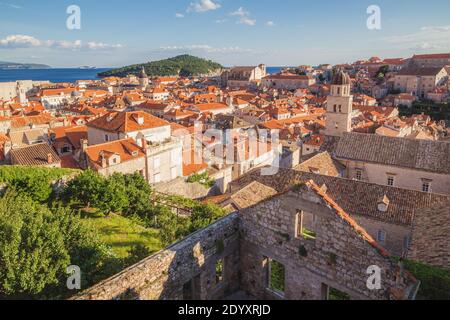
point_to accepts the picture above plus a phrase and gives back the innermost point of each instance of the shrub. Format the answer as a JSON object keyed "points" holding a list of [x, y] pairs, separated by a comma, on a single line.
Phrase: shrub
{"points": [[39, 243], [435, 282]]}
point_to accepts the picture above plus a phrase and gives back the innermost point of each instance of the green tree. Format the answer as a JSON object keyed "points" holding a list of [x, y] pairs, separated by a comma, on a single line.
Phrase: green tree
{"points": [[33, 185], [38, 243], [137, 253], [113, 196], [382, 72], [85, 189], [32, 248], [171, 226], [138, 192], [203, 215]]}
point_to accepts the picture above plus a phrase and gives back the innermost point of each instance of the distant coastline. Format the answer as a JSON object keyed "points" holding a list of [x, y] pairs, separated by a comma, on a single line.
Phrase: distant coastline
{"points": [[22, 66], [66, 74], [53, 75]]}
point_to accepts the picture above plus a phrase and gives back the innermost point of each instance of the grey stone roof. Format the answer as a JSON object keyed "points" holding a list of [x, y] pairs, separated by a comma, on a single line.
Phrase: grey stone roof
{"points": [[34, 155], [433, 156], [419, 71], [430, 242], [321, 163], [355, 197]]}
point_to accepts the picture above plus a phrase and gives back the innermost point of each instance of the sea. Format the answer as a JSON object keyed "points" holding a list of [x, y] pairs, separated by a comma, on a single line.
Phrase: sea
{"points": [[67, 74], [52, 75]]}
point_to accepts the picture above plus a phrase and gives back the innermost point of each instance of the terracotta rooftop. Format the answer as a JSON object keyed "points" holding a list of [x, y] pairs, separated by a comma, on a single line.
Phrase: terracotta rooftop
{"points": [[432, 56], [127, 149], [126, 122]]}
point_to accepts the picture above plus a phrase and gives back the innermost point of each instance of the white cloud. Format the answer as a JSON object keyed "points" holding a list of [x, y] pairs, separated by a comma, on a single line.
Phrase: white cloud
{"points": [[426, 46], [270, 24], [427, 38], [19, 41], [244, 17], [247, 21], [179, 15], [205, 48], [436, 28], [241, 12], [203, 6], [102, 46], [11, 5], [220, 21], [25, 41]]}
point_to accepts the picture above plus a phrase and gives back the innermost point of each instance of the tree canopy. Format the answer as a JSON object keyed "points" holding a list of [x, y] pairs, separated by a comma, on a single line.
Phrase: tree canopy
{"points": [[38, 243]]}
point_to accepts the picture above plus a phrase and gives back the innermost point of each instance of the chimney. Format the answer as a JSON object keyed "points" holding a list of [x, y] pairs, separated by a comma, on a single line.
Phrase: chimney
{"points": [[139, 119], [7, 149], [142, 143], [103, 159], [383, 204], [84, 145], [49, 158]]}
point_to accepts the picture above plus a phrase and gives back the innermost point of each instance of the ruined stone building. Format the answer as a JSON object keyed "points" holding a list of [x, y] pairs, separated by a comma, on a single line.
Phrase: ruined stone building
{"points": [[291, 236]]}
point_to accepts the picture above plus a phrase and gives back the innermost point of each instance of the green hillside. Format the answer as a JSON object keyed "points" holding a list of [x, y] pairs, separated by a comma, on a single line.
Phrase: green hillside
{"points": [[14, 65], [184, 65]]}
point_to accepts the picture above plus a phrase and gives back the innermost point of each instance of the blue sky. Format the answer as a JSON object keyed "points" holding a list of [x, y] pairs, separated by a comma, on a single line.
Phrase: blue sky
{"points": [[233, 32]]}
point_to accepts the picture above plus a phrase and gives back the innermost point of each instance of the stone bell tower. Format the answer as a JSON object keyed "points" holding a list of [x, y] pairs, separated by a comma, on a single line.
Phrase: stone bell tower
{"points": [[143, 79], [339, 106]]}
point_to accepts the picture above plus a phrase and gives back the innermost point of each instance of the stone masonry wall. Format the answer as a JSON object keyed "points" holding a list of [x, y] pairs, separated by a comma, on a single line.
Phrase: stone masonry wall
{"points": [[395, 234], [163, 275], [338, 257], [430, 244]]}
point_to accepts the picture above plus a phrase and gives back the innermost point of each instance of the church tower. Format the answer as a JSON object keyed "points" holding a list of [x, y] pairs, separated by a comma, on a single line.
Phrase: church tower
{"points": [[339, 106], [143, 79]]}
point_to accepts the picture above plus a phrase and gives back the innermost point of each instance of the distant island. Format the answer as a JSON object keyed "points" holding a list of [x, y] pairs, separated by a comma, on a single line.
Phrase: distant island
{"points": [[14, 66], [184, 65]]}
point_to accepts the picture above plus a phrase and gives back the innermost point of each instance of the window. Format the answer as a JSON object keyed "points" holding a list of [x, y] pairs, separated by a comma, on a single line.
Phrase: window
{"points": [[335, 108], [407, 242], [106, 138], [334, 294], [358, 175], [276, 277], [157, 178], [175, 156], [174, 172], [381, 236], [338, 90], [340, 109], [426, 187], [390, 181], [156, 162], [305, 226], [219, 271], [66, 149]]}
